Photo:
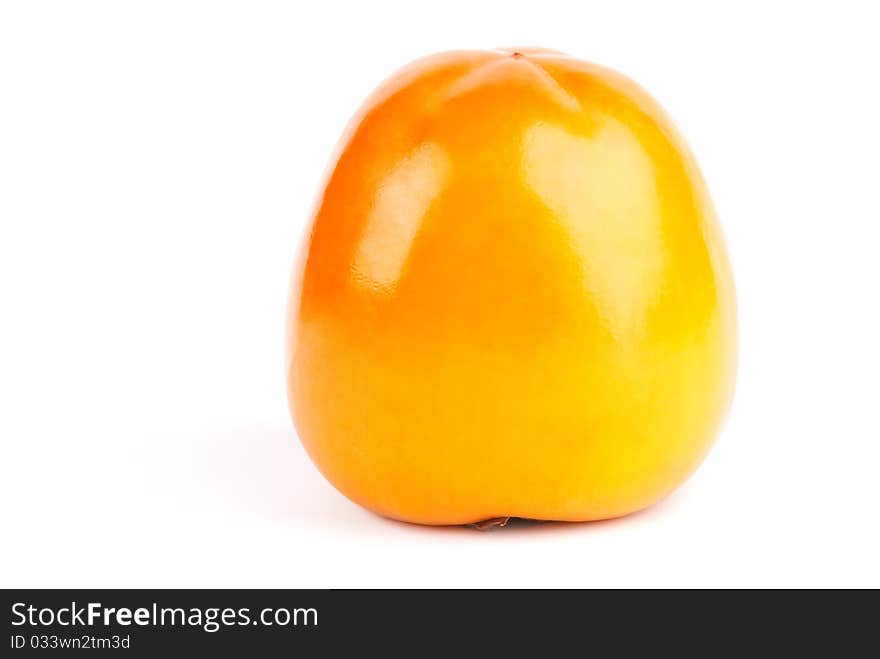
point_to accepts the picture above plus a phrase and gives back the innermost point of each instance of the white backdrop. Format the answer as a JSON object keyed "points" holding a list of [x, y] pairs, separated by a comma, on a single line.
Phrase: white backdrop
{"points": [[157, 164]]}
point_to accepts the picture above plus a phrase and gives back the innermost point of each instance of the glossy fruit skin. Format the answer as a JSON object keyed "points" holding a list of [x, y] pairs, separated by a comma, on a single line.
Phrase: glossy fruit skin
{"points": [[514, 299]]}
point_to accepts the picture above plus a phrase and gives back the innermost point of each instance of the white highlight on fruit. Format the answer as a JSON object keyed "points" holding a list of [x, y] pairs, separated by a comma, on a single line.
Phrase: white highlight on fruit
{"points": [[400, 204], [602, 188]]}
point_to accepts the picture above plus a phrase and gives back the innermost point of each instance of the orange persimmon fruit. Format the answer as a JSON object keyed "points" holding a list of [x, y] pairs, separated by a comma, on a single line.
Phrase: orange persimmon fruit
{"points": [[514, 298]]}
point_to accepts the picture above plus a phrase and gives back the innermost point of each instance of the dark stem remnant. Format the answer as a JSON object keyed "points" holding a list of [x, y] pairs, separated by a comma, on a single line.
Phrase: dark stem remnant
{"points": [[489, 524]]}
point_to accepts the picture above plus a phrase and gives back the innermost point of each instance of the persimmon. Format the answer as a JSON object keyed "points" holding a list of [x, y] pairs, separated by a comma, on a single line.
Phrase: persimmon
{"points": [[514, 298]]}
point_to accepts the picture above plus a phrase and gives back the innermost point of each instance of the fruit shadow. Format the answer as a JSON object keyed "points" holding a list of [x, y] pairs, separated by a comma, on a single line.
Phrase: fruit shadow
{"points": [[261, 473], [264, 473]]}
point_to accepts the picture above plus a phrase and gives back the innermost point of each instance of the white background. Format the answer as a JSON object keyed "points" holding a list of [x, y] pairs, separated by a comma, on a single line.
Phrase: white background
{"points": [[158, 161]]}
